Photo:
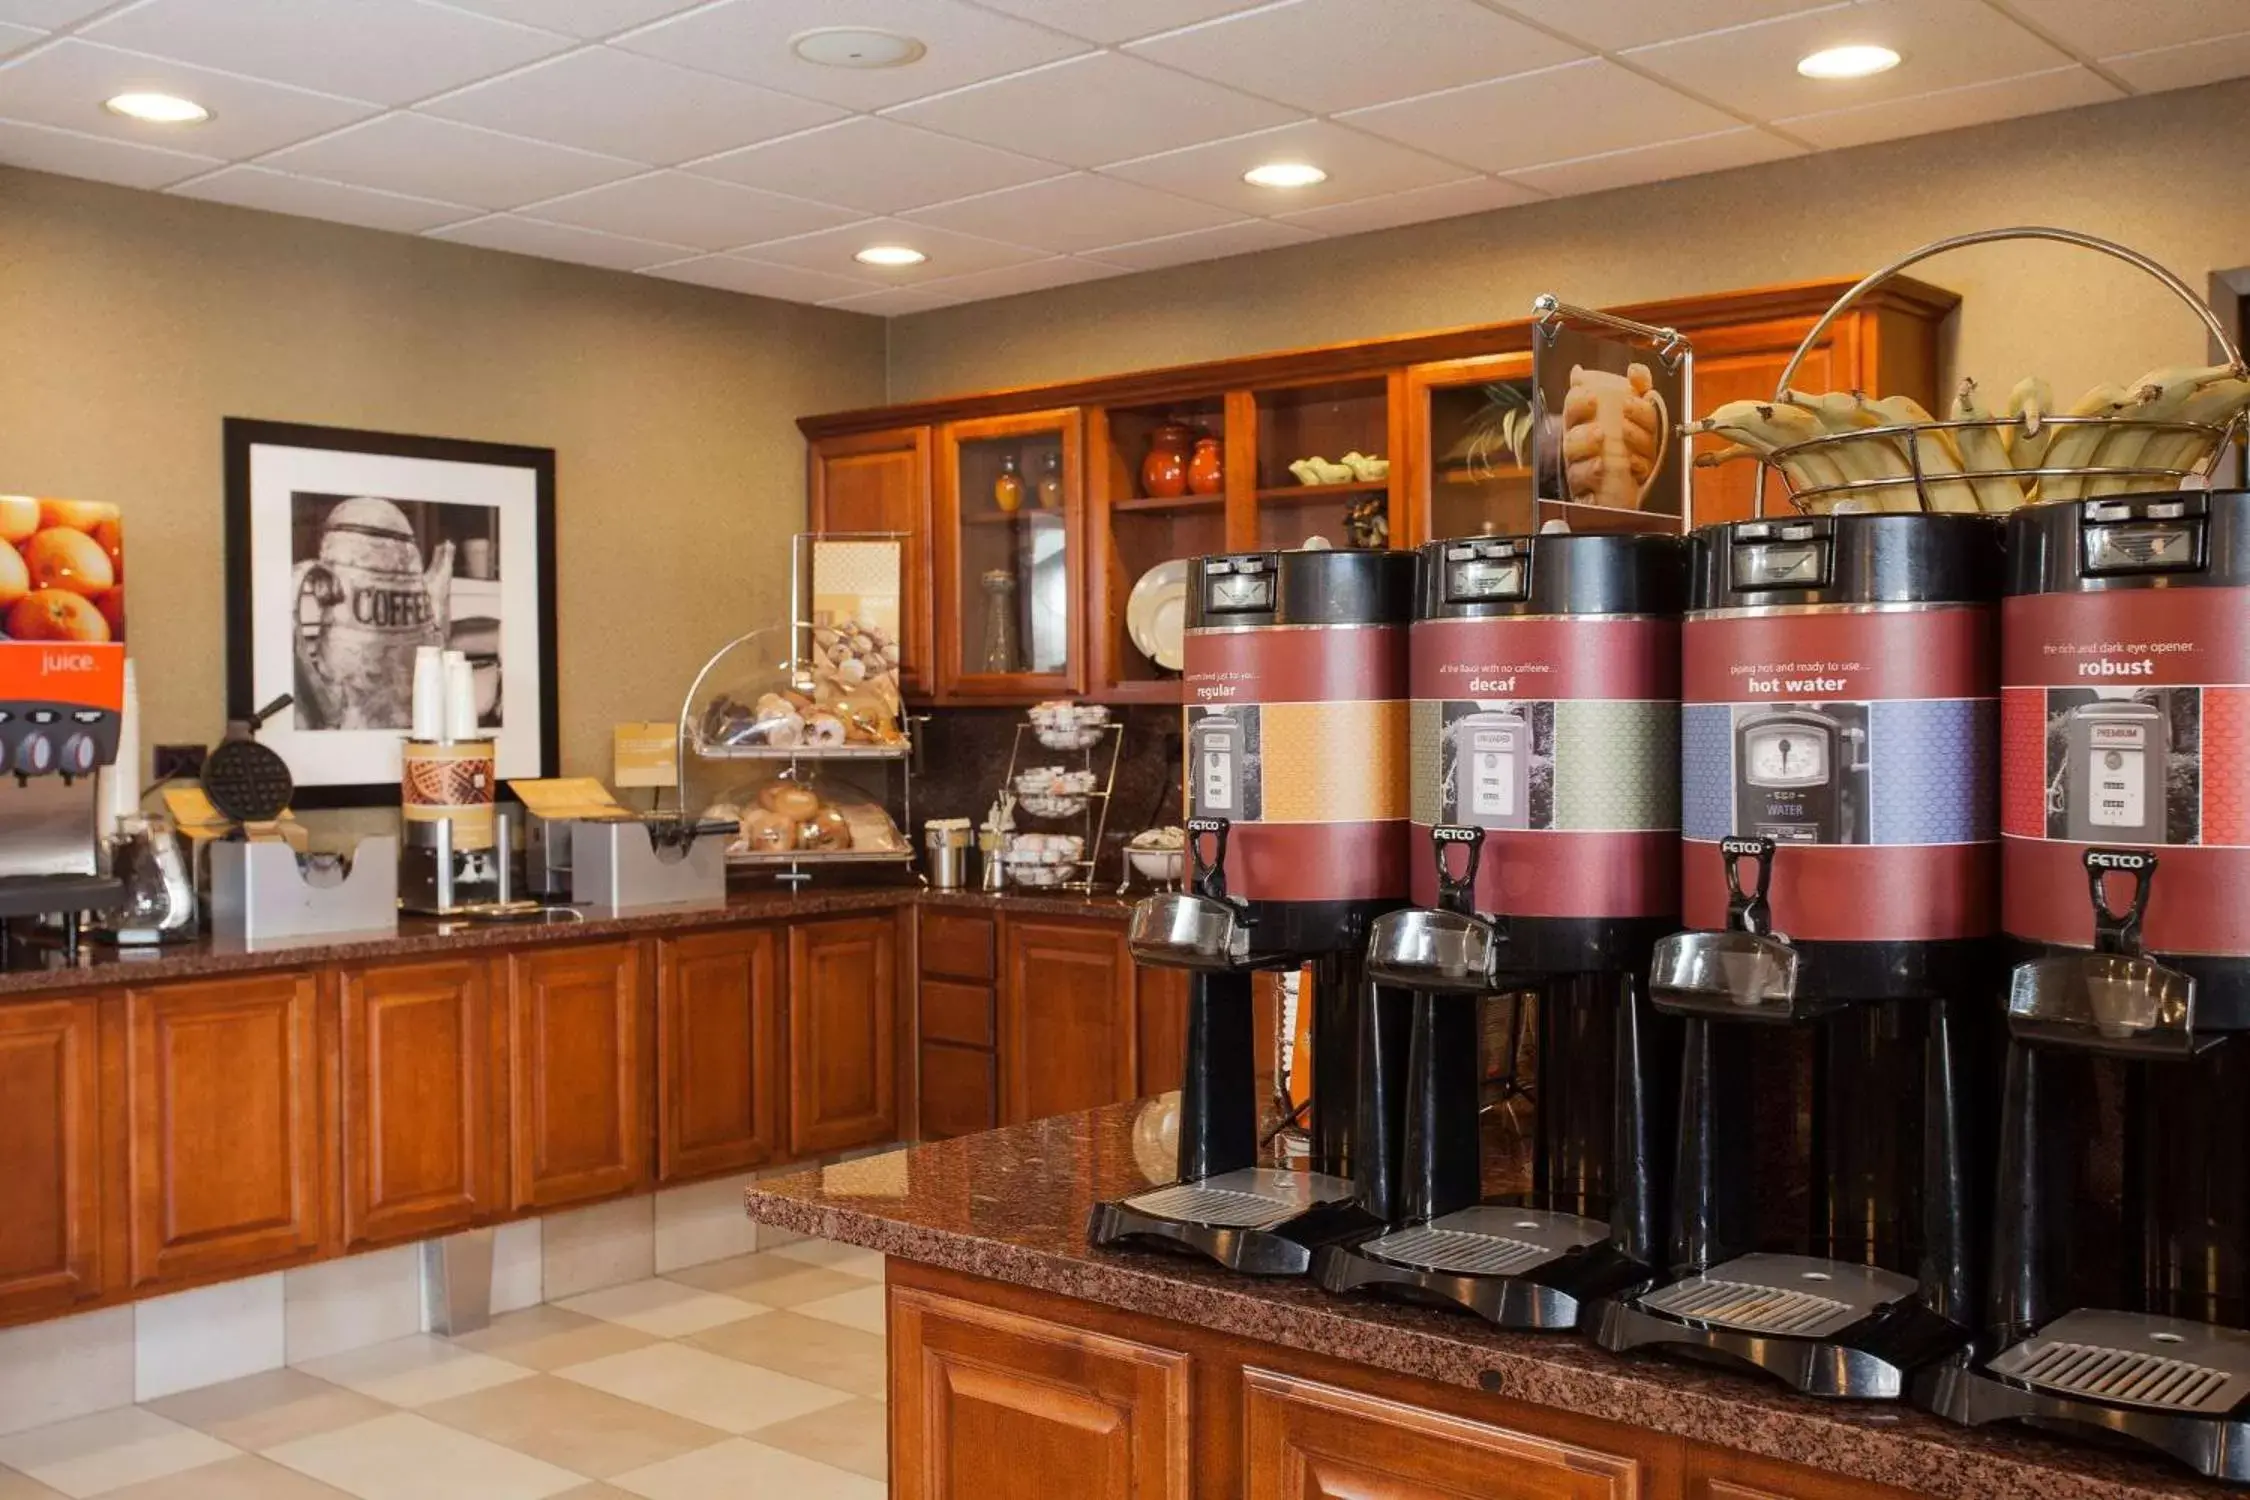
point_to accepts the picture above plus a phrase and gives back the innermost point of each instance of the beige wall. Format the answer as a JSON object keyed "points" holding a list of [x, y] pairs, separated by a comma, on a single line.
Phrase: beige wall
{"points": [[2169, 175], [131, 324]]}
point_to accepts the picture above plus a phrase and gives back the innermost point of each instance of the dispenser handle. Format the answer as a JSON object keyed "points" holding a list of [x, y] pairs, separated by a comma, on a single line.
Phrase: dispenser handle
{"points": [[1457, 893], [2119, 931], [1748, 911], [1210, 877]]}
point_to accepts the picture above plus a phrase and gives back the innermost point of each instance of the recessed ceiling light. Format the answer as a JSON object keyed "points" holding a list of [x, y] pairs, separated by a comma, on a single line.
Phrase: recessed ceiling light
{"points": [[856, 47], [157, 109], [1285, 174], [890, 255], [1847, 62]]}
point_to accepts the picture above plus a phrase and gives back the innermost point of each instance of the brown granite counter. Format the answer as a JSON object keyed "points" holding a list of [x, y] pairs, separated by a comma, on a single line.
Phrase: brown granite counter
{"points": [[34, 969], [1011, 1205]]}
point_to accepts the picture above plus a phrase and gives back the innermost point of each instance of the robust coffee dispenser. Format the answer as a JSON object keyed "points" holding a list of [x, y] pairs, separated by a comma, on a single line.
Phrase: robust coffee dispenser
{"points": [[1838, 730], [1545, 678], [1295, 676], [2120, 1273]]}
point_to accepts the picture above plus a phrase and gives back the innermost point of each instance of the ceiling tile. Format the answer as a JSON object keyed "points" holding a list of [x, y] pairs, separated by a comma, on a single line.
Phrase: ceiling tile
{"points": [[1616, 24], [2184, 66], [44, 149], [1110, 22], [1945, 44], [1093, 110], [1070, 214], [280, 193], [64, 85], [601, 99], [760, 279], [392, 52], [1358, 166], [2036, 93], [1007, 281], [950, 254], [456, 163], [684, 210], [1578, 109], [52, 15], [1329, 55], [749, 40], [1472, 196], [2103, 28], [876, 165], [1206, 244], [560, 242], [891, 301], [16, 38], [585, 18], [1706, 153]]}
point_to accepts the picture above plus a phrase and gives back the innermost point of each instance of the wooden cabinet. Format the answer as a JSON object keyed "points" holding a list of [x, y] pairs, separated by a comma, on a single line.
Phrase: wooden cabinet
{"points": [[843, 1020], [880, 481], [993, 1405], [1304, 1440], [718, 1051], [1010, 568], [50, 1156], [417, 1062], [1067, 1025], [960, 1090], [958, 1077], [1160, 998], [1720, 1474], [579, 1123], [230, 1128]]}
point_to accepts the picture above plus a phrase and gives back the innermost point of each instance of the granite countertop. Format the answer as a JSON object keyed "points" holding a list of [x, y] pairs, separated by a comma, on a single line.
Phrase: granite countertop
{"points": [[35, 970], [1011, 1205]]}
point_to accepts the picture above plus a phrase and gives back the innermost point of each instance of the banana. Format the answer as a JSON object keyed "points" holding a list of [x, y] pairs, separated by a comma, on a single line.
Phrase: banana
{"points": [[2029, 406], [1933, 448], [2074, 447], [2159, 396], [2215, 405], [1982, 450], [1761, 427]]}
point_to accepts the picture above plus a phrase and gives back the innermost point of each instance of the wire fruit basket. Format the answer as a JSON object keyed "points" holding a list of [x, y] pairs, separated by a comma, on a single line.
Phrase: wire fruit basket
{"points": [[1843, 449]]}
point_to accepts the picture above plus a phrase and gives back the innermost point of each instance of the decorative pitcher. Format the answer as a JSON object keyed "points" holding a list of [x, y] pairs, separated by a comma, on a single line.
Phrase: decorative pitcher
{"points": [[363, 605]]}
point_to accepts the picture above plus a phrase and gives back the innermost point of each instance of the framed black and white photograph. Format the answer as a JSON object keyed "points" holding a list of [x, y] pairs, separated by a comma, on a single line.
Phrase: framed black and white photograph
{"points": [[346, 552]]}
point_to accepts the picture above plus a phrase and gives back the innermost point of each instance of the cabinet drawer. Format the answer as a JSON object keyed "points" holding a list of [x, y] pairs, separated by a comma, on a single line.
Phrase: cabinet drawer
{"points": [[957, 1012], [960, 1091], [957, 944]]}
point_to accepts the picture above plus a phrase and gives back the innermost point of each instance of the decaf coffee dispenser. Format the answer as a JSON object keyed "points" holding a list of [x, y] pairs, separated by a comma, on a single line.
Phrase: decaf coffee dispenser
{"points": [[1545, 677], [2120, 1296], [1295, 680], [1840, 858]]}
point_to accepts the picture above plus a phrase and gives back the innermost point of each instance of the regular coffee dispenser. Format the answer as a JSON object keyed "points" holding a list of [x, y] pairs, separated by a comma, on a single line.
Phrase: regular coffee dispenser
{"points": [[2120, 1270], [1294, 673]]}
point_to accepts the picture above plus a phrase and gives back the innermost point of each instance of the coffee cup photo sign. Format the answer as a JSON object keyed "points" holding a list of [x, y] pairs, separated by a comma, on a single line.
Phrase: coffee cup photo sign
{"points": [[347, 553]]}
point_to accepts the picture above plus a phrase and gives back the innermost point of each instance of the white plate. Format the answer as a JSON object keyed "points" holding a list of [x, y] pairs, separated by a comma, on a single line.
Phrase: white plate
{"points": [[1156, 613]]}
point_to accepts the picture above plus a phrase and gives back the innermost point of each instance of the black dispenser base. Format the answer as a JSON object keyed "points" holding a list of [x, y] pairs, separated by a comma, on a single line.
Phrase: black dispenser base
{"points": [[1551, 1297], [1285, 1248], [2216, 1446]]}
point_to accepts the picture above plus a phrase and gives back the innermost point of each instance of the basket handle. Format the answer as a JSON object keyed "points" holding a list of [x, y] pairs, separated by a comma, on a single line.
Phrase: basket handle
{"points": [[2177, 287]]}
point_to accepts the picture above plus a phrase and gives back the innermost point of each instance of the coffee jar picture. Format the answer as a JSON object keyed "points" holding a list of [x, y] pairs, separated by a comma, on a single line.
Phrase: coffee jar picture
{"points": [[347, 552]]}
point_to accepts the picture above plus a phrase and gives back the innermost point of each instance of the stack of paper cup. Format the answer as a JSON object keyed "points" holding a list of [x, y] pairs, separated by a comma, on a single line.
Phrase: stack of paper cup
{"points": [[429, 693], [460, 697]]}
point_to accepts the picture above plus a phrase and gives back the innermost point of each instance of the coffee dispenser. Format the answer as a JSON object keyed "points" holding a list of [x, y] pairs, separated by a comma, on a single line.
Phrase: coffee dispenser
{"points": [[1545, 678], [1839, 732], [2120, 1272], [1294, 670]]}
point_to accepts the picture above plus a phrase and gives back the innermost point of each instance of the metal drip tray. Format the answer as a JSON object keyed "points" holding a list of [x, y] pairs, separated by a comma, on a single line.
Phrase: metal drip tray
{"points": [[2135, 1359], [1488, 1241], [1792, 1296], [1254, 1198]]}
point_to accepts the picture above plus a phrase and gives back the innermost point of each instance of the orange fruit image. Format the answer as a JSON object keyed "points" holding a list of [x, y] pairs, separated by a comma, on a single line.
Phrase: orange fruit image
{"points": [[111, 534], [56, 615], [15, 578], [111, 602], [78, 515], [19, 518], [60, 558]]}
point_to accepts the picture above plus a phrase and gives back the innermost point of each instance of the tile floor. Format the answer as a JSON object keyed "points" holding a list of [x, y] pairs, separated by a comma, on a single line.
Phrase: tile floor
{"points": [[760, 1375]]}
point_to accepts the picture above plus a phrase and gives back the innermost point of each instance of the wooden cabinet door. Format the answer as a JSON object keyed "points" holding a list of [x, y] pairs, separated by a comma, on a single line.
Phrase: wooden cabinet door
{"points": [[1026, 564], [50, 1155], [418, 1064], [994, 1405], [1725, 1474], [578, 1106], [1304, 1440], [959, 1095], [718, 1056], [843, 1024], [880, 481], [1066, 1017], [229, 1126], [1160, 999]]}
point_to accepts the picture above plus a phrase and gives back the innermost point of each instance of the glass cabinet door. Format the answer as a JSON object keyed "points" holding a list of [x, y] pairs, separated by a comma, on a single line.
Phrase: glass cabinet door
{"points": [[1009, 534], [1470, 424]]}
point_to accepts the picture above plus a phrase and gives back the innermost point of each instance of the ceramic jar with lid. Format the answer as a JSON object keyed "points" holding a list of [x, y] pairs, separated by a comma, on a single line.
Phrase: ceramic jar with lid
{"points": [[1164, 472]]}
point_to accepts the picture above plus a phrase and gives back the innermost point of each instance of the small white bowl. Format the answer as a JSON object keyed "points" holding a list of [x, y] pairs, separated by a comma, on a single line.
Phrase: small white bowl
{"points": [[1162, 866]]}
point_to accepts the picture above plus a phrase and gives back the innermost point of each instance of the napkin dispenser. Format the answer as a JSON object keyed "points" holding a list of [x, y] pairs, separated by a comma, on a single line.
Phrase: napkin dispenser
{"points": [[656, 860], [264, 890]]}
